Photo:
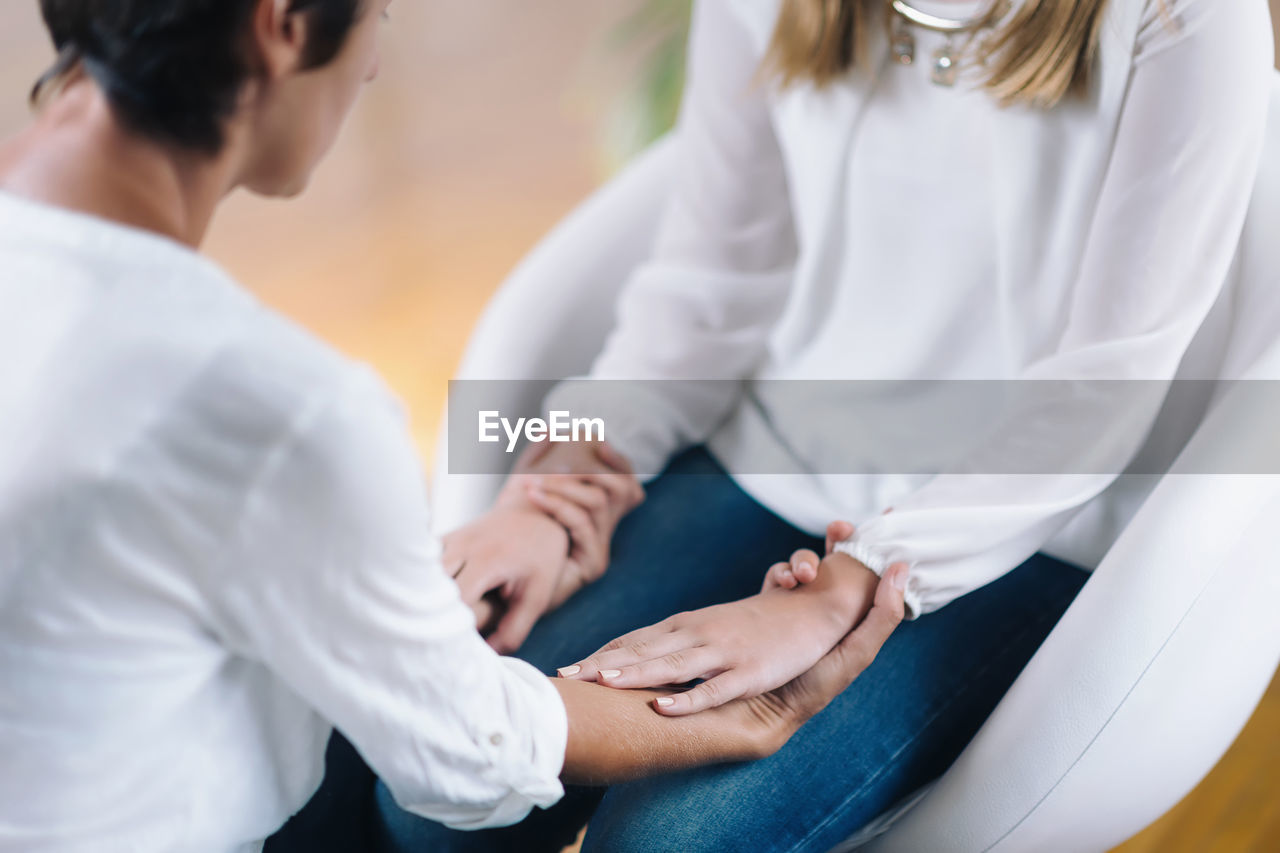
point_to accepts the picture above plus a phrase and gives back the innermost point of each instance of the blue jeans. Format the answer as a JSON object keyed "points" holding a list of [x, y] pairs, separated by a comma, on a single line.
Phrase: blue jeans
{"points": [[699, 540]]}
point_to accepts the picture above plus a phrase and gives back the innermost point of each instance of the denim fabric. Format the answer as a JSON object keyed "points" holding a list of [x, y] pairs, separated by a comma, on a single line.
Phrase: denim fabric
{"points": [[699, 540]]}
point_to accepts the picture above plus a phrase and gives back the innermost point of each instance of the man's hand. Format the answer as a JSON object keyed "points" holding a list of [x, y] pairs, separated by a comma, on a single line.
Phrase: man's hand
{"points": [[741, 649], [547, 537], [507, 565]]}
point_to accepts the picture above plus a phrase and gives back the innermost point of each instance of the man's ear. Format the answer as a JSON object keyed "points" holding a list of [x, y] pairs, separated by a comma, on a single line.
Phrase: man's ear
{"points": [[280, 37]]}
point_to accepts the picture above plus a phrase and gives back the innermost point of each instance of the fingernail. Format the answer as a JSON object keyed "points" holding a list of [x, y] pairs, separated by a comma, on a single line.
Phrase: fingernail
{"points": [[900, 579], [568, 671], [807, 565], [665, 701], [610, 673]]}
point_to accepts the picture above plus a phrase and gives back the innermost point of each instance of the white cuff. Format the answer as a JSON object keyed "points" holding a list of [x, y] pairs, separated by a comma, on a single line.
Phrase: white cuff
{"points": [[879, 561], [523, 746]]}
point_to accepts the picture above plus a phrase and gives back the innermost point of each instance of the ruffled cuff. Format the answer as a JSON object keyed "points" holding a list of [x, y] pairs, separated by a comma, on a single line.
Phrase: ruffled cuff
{"points": [[879, 560]]}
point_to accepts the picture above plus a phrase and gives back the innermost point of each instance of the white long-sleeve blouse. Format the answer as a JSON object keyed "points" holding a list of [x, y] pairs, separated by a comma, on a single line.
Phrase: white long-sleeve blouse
{"points": [[214, 548], [888, 228]]}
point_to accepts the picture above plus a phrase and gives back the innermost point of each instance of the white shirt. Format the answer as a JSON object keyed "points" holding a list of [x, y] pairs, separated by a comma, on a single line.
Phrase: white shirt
{"points": [[888, 228], [213, 547]]}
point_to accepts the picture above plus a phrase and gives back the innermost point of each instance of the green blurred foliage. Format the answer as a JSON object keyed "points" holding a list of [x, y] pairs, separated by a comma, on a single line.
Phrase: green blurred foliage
{"points": [[659, 31]]}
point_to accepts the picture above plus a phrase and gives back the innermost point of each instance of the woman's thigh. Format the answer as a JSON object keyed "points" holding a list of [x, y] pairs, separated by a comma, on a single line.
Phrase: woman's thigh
{"points": [[899, 726], [697, 540]]}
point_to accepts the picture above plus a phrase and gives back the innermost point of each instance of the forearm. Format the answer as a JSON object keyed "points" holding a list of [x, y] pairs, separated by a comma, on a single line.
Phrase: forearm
{"points": [[614, 735], [844, 590]]}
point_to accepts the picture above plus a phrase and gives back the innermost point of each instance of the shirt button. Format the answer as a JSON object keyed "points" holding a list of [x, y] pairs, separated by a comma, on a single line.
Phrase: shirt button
{"points": [[496, 740]]}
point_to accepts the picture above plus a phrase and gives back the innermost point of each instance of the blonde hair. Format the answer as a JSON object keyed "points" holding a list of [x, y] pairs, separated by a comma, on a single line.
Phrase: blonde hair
{"points": [[1037, 55]]}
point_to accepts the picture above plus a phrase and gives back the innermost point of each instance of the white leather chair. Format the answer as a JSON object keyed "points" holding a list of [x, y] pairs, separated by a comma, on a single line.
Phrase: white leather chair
{"points": [[1157, 665]]}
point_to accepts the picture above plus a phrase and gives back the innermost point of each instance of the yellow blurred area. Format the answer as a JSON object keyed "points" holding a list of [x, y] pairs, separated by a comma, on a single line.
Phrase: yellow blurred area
{"points": [[478, 136]]}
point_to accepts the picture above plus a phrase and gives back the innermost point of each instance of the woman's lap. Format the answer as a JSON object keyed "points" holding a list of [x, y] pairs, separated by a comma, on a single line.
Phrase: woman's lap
{"points": [[898, 727], [699, 540]]}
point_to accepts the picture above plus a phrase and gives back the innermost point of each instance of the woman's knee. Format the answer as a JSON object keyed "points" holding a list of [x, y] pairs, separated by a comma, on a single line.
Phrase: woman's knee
{"points": [[715, 809]]}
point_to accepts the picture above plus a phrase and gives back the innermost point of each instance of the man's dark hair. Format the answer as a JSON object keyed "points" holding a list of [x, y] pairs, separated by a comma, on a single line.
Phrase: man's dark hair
{"points": [[173, 69]]}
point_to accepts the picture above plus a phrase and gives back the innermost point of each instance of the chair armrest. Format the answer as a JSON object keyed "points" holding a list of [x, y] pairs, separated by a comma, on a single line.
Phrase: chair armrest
{"points": [[1147, 679]]}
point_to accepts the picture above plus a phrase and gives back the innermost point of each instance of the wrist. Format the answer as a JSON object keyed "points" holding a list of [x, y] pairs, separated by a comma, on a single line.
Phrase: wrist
{"points": [[758, 727], [541, 529], [576, 457], [846, 585]]}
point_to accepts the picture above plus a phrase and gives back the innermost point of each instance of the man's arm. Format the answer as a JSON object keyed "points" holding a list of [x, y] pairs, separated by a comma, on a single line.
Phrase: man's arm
{"points": [[615, 736]]}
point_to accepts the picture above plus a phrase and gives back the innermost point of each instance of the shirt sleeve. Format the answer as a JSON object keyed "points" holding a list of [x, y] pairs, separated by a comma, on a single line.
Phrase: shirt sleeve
{"points": [[333, 581], [703, 306], [1160, 245]]}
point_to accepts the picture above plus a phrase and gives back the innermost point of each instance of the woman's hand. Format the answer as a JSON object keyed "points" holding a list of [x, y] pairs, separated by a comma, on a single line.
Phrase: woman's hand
{"points": [[741, 649], [803, 565], [788, 707], [592, 476], [588, 547], [737, 731]]}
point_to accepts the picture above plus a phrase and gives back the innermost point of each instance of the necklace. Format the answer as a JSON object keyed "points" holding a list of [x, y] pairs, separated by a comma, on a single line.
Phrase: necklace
{"points": [[945, 58]]}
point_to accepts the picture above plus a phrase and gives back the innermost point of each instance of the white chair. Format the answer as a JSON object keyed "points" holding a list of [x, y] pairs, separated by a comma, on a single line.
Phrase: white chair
{"points": [[1157, 665]]}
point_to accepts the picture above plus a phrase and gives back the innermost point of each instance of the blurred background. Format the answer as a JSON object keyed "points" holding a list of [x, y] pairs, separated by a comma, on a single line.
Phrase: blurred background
{"points": [[490, 120]]}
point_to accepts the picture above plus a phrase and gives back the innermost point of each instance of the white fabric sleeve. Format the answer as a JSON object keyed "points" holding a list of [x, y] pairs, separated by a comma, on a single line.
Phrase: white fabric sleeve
{"points": [[333, 581], [703, 306], [1159, 248]]}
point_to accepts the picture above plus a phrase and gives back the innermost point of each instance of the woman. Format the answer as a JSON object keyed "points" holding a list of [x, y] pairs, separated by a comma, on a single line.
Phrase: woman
{"points": [[873, 190], [214, 533]]}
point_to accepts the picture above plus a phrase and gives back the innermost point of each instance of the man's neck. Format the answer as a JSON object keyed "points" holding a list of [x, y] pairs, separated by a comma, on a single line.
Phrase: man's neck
{"points": [[77, 155]]}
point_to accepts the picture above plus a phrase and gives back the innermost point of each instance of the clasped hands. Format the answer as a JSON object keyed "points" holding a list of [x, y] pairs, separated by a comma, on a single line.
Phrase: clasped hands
{"points": [[807, 608], [548, 536]]}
